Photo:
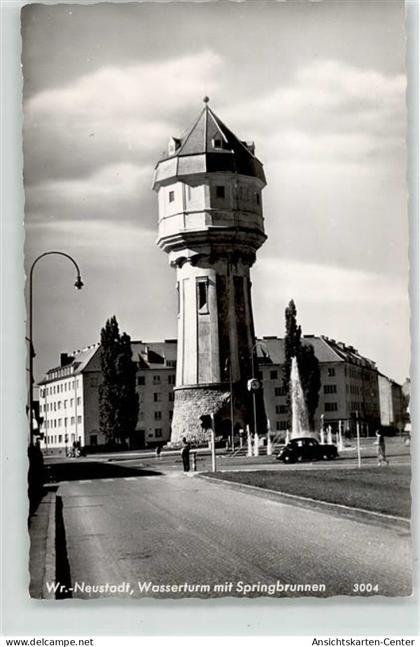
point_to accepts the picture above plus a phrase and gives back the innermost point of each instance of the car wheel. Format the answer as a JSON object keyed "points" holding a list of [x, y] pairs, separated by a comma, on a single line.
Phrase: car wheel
{"points": [[286, 459], [325, 457], [299, 459]]}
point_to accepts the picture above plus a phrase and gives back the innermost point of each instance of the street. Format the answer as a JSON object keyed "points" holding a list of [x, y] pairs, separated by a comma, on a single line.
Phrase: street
{"points": [[170, 528]]}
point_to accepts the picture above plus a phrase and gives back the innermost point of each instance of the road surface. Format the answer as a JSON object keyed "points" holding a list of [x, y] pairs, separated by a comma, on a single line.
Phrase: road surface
{"points": [[177, 530]]}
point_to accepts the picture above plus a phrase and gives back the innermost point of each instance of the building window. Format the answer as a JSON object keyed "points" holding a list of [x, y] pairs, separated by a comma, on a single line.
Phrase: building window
{"points": [[93, 440], [280, 391], [220, 191], [79, 419], [331, 406], [157, 397], [158, 433], [257, 198], [72, 402], [281, 425], [273, 375], [171, 196], [141, 380], [202, 296], [331, 372], [78, 401], [93, 381], [330, 388], [72, 420], [281, 408], [158, 415], [171, 363], [171, 396], [156, 379], [171, 379], [65, 422]]}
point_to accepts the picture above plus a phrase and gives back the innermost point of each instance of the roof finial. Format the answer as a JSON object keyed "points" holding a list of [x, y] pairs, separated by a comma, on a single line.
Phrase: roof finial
{"points": [[206, 99]]}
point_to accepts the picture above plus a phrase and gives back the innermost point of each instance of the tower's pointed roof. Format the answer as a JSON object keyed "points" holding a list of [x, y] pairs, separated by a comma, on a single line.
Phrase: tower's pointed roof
{"points": [[212, 147]]}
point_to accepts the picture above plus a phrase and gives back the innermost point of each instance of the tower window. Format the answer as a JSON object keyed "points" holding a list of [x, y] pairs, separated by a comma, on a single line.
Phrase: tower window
{"points": [[220, 191], [217, 143], [171, 196], [202, 296], [257, 198]]}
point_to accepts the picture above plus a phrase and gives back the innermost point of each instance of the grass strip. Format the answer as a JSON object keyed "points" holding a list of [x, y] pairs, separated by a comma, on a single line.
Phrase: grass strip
{"points": [[385, 489]]}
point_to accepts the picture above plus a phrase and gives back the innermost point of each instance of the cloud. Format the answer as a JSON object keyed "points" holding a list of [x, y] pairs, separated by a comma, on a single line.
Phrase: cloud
{"points": [[113, 193], [329, 110], [114, 115], [366, 309]]}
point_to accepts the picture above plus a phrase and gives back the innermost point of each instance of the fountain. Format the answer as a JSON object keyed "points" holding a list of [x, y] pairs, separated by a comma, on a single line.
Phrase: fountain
{"points": [[249, 441], [340, 436], [256, 444], [269, 443], [329, 435], [300, 422]]}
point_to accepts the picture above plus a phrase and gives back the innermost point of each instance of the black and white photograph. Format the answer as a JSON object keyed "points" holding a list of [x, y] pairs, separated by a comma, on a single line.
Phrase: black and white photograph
{"points": [[217, 297]]}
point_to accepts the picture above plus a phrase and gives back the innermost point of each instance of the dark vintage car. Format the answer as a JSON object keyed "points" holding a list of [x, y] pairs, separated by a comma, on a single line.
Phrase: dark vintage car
{"points": [[306, 449]]}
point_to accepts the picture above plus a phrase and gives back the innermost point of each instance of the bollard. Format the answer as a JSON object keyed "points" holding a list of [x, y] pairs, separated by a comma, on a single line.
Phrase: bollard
{"points": [[194, 461]]}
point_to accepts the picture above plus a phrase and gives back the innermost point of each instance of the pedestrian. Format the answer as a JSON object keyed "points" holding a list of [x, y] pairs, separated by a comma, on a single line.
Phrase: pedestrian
{"points": [[157, 451], [381, 449], [185, 454]]}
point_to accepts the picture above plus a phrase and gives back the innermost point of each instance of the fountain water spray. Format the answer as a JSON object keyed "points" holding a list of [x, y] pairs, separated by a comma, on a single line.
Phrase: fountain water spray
{"points": [[300, 422], [269, 444], [256, 444], [249, 441]]}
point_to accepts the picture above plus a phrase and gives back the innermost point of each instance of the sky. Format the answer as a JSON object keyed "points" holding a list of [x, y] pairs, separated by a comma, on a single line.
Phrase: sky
{"points": [[318, 86]]}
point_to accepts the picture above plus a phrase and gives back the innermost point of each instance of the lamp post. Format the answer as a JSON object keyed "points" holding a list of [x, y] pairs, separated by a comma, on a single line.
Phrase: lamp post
{"points": [[253, 376], [78, 285]]}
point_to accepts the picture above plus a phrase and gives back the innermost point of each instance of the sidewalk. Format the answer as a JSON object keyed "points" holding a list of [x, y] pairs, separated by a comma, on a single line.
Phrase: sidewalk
{"points": [[42, 545]]}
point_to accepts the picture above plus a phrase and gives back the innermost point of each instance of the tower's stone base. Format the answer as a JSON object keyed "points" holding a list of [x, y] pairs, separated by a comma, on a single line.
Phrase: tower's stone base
{"points": [[193, 402]]}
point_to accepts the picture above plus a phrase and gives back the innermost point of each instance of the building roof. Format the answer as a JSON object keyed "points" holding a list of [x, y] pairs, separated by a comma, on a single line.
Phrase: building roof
{"points": [[76, 363], [209, 146], [326, 350], [149, 355], [163, 354], [154, 355]]}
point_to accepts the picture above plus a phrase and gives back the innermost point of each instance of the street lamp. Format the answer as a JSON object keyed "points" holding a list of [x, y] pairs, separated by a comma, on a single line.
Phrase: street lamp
{"points": [[78, 285]]}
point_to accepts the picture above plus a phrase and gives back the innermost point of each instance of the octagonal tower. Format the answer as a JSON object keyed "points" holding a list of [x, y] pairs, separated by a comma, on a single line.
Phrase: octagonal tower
{"points": [[209, 186]]}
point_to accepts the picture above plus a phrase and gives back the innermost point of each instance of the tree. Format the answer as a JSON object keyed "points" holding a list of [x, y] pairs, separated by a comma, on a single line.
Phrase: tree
{"points": [[309, 371], [118, 400]]}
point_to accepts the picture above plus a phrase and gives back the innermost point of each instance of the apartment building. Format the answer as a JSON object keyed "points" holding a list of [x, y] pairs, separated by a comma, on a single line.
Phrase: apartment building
{"points": [[69, 397], [352, 389]]}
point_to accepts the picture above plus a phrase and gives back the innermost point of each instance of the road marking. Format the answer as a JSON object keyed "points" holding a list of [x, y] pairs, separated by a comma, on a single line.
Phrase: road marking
{"points": [[130, 478]]}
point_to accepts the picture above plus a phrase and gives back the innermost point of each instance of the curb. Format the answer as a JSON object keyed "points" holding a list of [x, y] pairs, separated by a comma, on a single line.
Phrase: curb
{"points": [[296, 499], [50, 557]]}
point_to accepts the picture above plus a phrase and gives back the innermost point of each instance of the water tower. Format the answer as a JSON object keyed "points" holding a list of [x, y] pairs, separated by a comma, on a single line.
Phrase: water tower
{"points": [[211, 224]]}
